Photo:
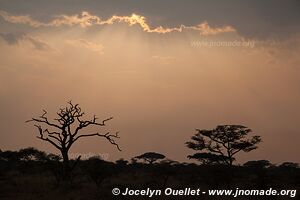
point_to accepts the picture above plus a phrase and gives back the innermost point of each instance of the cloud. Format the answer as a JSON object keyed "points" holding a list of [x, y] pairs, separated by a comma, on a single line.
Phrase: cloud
{"points": [[12, 38], [85, 19], [98, 48], [17, 37], [39, 44], [21, 19], [253, 19]]}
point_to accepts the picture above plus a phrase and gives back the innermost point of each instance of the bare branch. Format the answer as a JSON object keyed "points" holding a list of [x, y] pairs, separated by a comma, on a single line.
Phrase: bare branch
{"points": [[43, 119], [54, 133], [108, 136], [83, 124], [45, 139]]}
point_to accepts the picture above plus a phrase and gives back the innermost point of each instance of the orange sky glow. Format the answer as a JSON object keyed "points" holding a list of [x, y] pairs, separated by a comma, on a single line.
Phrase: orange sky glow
{"points": [[159, 81]]}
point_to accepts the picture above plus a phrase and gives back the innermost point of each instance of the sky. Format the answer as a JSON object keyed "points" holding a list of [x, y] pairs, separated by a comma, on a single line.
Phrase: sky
{"points": [[161, 68]]}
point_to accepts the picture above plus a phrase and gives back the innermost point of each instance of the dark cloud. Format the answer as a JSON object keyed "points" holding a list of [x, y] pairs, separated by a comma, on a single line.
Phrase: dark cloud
{"points": [[38, 44], [12, 38], [252, 18], [16, 37]]}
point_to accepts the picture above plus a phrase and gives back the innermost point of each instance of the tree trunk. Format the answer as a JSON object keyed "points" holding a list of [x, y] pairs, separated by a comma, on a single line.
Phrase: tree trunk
{"points": [[230, 161], [230, 158], [66, 170]]}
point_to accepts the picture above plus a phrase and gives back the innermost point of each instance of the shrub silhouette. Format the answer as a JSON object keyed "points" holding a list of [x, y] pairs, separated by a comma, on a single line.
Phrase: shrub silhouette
{"points": [[98, 170], [261, 164], [95, 178]]}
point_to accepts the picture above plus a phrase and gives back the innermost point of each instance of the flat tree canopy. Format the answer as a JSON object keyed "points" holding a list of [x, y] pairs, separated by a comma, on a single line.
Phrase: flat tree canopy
{"points": [[221, 144], [151, 157]]}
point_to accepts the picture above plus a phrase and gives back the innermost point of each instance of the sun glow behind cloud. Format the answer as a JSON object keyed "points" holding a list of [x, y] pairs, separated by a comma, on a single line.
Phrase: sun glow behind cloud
{"points": [[85, 19]]}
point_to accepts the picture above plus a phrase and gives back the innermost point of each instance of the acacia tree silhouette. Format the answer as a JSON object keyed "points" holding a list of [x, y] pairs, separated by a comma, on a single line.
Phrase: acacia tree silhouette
{"points": [[66, 130], [219, 145], [151, 157]]}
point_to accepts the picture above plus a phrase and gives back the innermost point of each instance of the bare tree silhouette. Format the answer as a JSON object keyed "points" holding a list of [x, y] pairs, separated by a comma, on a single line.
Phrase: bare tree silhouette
{"points": [[220, 145], [66, 130]]}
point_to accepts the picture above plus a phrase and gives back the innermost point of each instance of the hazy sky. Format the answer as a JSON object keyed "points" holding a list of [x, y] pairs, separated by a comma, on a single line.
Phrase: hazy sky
{"points": [[160, 68]]}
